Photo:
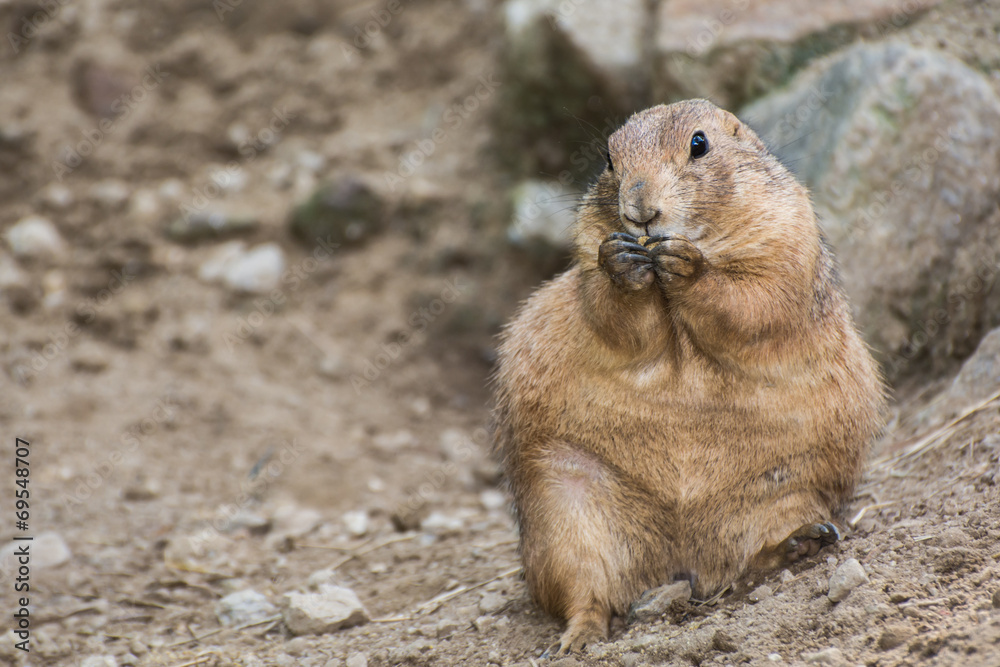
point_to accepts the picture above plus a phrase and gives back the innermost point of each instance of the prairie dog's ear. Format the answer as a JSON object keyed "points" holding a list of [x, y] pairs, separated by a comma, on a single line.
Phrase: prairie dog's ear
{"points": [[741, 132]]}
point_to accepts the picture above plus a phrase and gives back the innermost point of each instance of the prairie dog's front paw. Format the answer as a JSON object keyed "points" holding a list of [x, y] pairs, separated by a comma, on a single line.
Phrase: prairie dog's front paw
{"points": [[626, 262], [674, 257]]}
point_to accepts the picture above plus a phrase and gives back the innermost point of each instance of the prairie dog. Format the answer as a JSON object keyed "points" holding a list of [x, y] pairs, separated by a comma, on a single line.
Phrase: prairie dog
{"points": [[691, 398]]}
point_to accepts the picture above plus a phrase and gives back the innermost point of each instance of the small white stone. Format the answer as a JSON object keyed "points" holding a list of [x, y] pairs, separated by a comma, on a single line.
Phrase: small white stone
{"points": [[110, 193], [311, 161], [332, 608], [35, 236], [492, 499], [221, 257], [831, 657], [244, 607], [258, 271], [356, 522], [58, 196], [11, 274], [845, 579], [171, 190], [357, 660], [145, 205], [442, 523]]}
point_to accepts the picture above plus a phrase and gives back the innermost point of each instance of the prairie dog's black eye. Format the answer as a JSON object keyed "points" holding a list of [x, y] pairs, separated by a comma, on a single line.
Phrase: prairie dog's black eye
{"points": [[699, 144], [607, 158]]}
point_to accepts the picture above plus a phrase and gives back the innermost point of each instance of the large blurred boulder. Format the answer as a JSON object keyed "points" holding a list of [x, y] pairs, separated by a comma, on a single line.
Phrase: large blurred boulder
{"points": [[732, 51], [901, 148], [571, 70]]}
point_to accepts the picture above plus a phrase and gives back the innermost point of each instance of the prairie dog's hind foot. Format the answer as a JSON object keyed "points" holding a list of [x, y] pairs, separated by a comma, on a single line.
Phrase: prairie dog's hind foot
{"points": [[803, 543], [584, 628]]}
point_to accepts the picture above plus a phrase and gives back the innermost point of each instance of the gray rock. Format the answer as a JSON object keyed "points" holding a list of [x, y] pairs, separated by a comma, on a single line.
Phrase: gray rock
{"points": [[587, 56], [609, 33], [733, 50], [332, 608], [845, 579], [244, 607], [491, 603], [35, 237], [901, 149], [979, 377], [654, 603]]}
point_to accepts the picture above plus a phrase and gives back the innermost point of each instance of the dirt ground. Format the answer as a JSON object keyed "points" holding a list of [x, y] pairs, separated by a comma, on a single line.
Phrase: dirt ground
{"points": [[188, 442]]}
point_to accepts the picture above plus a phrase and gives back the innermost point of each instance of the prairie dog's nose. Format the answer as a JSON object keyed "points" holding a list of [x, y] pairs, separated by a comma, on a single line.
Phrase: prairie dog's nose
{"points": [[635, 206]]}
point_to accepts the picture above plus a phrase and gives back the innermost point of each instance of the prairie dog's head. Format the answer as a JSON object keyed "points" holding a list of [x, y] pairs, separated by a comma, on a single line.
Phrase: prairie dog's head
{"points": [[694, 170]]}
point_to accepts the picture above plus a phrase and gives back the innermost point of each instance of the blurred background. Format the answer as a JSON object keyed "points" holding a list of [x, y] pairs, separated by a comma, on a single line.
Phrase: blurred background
{"points": [[255, 255]]}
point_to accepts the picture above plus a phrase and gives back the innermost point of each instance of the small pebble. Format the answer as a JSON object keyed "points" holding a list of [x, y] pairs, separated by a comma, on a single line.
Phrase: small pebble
{"points": [[357, 660], [845, 579], [244, 607], [491, 603], [332, 608], [35, 237], [110, 193], [833, 657], [492, 499], [356, 523], [258, 271]]}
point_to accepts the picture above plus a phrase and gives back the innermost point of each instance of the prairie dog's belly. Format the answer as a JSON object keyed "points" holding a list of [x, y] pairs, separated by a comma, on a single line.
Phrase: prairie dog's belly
{"points": [[686, 439]]}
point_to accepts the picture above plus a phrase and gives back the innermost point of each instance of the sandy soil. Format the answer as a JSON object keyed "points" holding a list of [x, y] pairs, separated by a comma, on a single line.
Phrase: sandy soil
{"points": [[188, 442]]}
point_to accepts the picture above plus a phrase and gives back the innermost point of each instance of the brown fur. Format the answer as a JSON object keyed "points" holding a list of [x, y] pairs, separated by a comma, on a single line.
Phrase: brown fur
{"points": [[694, 419]]}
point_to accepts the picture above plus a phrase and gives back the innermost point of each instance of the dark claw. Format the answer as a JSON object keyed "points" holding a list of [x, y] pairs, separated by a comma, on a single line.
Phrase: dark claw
{"points": [[628, 245], [657, 239], [630, 257], [622, 236], [666, 250]]}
